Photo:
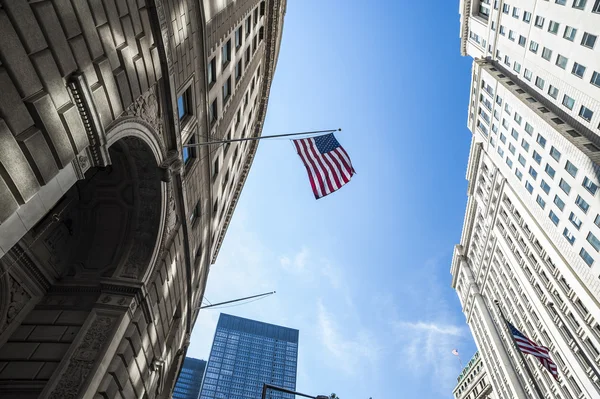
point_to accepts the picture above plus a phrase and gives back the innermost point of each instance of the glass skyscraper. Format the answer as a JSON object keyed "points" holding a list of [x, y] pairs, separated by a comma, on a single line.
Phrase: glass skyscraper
{"points": [[247, 353], [190, 379]]}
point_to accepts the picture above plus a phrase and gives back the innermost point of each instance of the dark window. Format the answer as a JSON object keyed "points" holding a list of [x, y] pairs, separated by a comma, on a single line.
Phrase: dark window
{"points": [[213, 111], [227, 90], [195, 213], [261, 33], [238, 70], [248, 25], [239, 38], [212, 71], [262, 8], [255, 15]]}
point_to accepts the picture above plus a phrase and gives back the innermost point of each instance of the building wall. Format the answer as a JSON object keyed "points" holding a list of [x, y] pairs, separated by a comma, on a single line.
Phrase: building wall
{"points": [[106, 219], [190, 379], [246, 354], [473, 383], [506, 37]]}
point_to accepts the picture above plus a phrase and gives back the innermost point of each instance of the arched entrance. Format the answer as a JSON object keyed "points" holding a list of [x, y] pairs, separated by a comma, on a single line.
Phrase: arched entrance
{"points": [[104, 232]]}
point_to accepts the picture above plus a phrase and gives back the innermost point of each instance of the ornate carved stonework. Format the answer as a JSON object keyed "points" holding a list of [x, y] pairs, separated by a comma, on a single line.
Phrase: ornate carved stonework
{"points": [[16, 300], [83, 358], [147, 108]]}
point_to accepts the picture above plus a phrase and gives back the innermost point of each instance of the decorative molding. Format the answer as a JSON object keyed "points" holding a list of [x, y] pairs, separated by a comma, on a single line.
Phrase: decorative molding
{"points": [[164, 31], [83, 359], [147, 108], [15, 300], [84, 101]]}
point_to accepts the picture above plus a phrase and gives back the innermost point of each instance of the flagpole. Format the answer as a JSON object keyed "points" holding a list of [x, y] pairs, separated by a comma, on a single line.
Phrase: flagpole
{"points": [[525, 364], [260, 138]]}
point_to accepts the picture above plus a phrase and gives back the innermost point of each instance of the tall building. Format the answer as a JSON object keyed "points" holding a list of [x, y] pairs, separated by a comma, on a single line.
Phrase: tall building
{"points": [[108, 221], [190, 378], [531, 234], [473, 383], [246, 354]]}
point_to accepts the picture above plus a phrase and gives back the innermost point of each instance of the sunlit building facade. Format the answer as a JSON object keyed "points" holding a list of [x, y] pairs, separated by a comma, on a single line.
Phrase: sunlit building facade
{"points": [[109, 217], [531, 235], [473, 383], [246, 354]]}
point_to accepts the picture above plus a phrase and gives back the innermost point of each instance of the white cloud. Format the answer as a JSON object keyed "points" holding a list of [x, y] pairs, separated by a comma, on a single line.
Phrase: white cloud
{"points": [[298, 263], [350, 354], [427, 347]]}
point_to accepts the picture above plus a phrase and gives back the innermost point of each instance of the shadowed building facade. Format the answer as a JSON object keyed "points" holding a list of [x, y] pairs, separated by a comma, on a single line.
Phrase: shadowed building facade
{"points": [[108, 223]]}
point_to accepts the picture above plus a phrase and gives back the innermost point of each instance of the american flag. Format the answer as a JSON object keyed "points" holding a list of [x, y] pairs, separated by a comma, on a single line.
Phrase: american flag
{"points": [[528, 346], [327, 163]]}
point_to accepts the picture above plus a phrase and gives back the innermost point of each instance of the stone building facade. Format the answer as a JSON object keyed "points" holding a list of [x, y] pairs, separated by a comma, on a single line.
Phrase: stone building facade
{"points": [[473, 382], [108, 222], [530, 244]]}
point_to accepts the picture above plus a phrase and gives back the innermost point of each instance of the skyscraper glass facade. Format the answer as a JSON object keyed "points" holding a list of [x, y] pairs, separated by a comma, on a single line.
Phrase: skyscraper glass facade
{"points": [[190, 379], [247, 353]]}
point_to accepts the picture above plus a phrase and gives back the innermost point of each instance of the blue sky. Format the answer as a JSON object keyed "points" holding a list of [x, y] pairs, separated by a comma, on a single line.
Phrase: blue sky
{"points": [[363, 273]]}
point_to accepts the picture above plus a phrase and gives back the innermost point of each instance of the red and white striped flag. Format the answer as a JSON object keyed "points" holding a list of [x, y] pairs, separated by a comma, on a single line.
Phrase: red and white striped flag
{"points": [[327, 163], [526, 345]]}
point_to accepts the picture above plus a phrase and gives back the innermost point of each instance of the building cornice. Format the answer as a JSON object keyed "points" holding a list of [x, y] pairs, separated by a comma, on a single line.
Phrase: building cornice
{"points": [[276, 10], [465, 11]]}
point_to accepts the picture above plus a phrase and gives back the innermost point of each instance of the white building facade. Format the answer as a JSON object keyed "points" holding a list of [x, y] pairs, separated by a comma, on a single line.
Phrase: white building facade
{"points": [[531, 236], [473, 382]]}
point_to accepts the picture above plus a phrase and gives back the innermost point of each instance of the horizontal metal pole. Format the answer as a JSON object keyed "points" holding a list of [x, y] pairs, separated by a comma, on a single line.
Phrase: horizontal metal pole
{"points": [[260, 138]]}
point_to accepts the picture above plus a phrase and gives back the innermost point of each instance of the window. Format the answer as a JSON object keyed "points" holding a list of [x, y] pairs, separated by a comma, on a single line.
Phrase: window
{"points": [[554, 153], [543, 110], [565, 186], [533, 46], [582, 204], [522, 160], [575, 220], [596, 7], [553, 27], [541, 141], [500, 151], [212, 71], [527, 74], [505, 8], [528, 128], [586, 113], [545, 186], [573, 133], [559, 202], [550, 170], [540, 202], [539, 82], [184, 104], [518, 119], [578, 70], [515, 134], [591, 147], [537, 157], [518, 174], [528, 187], [238, 70], [569, 236], [189, 153], [511, 148], [226, 90], [594, 242], [597, 220], [502, 30], [553, 92], [561, 61], [247, 58], [588, 40], [595, 79], [507, 60], [539, 21], [579, 4], [571, 169], [561, 2], [517, 67], [554, 218], [213, 111], [570, 33], [255, 15], [511, 35], [509, 162], [195, 213], [525, 145], [527, 16], [226, 53], [587, 258], [502, 138], [546, 53], [508, 108], [533, 172], [248, 25], [516, 12], [239, 38], [590, 185], [568, 102]]}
